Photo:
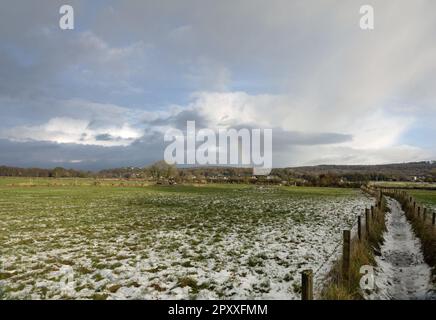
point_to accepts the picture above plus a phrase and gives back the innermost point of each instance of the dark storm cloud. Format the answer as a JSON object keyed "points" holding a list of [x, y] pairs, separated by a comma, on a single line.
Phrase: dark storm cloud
{"points": [[105, 137], [48, 154]]}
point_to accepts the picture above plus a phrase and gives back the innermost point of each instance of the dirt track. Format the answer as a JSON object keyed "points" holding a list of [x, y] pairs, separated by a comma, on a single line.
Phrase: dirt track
{"points": [[401, 272]]}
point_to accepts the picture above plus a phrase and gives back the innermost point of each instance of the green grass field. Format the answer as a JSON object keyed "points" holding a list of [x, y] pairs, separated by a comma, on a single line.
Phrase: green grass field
{"points": [[417, 190], [69, 238], [67, 182], [426, 197], [403, 185]]}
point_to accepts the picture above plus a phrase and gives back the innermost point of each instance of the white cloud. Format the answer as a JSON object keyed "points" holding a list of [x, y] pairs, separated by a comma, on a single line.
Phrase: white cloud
{"points": [[376, 134], [78, 131], [378, 130], [346, 155]]}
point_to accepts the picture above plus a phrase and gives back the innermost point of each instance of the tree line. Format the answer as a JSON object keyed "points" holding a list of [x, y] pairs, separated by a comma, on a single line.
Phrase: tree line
{"points": [[301, 176]]}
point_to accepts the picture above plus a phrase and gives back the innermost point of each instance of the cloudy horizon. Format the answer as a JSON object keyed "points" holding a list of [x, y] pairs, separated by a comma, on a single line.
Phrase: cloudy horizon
{"points": [[102, 95]]}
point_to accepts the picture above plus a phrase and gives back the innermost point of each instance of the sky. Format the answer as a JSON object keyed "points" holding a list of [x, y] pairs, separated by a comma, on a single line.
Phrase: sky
{"points": [[103, 95]]}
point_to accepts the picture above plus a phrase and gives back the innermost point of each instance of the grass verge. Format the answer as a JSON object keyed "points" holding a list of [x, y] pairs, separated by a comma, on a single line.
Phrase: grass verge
{"points": [[363, 251]]}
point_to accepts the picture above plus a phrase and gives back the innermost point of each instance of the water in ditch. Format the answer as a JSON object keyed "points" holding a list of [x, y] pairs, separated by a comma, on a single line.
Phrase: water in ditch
{"points": [[401, 272]]}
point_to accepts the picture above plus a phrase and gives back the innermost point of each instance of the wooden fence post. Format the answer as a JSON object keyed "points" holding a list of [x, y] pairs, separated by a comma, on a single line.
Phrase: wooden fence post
{"points": [[359, 226], [372, 211], [307, 285], [424, 214], [367, 222], [346, 253], [434, 218], [419, 211]]}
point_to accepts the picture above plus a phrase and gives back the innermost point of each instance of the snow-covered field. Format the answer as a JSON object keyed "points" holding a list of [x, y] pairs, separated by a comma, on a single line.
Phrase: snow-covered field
{"points": [[219, 242]]}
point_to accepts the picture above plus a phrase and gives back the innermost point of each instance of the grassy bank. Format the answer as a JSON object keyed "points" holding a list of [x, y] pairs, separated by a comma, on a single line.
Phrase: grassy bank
{"points": [[426, 232]]}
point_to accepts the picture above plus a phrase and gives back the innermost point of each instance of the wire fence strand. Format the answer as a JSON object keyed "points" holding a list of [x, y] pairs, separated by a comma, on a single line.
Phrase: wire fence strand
{"points": [[335, 253]]}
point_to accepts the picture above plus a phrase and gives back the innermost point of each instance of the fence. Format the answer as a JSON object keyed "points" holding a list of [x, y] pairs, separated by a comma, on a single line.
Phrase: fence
{"points": [[412, 208], [363, 234]]}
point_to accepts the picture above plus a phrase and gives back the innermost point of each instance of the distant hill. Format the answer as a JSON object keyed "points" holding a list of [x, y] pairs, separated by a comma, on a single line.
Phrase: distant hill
{"points": [[407, 171]]}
